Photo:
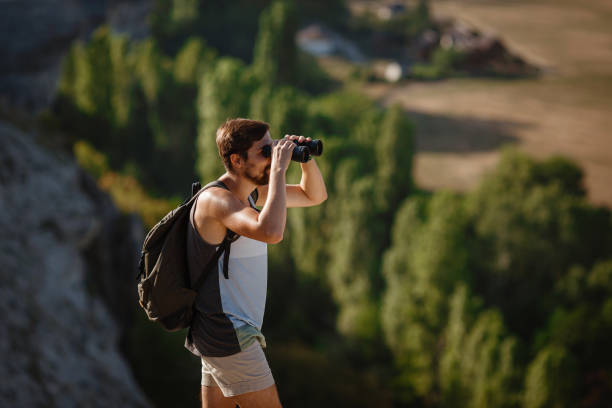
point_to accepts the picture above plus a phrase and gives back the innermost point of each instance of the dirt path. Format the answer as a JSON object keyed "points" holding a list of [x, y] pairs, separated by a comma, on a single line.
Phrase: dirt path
{"points": [[462, 123]]}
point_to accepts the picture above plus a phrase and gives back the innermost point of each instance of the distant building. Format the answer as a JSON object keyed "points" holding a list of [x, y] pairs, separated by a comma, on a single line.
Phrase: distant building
{"points": [[319, 40], [315, 40]]}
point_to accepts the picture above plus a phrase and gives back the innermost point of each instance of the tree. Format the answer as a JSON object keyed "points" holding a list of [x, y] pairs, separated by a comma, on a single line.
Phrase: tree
{"points": [[477, 366], [394, 151], [224, 93], [283, 108], [354, 253], [274, 59], [532, 223], [96, 77], [429, 255], [550, 379], [192, 60], [575, 342]]}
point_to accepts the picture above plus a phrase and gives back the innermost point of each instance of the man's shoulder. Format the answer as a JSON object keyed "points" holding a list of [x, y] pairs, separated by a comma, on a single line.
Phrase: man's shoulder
{"points": [[213, 197], [216, 202], [211, 207]]}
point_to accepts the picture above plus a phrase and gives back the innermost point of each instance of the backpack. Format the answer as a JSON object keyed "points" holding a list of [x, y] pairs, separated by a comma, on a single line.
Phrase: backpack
{"points": [[164, 288]]}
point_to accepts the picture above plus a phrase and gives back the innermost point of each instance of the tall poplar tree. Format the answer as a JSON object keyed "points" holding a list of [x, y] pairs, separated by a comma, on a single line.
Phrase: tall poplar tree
{"points": [[224, 93], [274, 60]]}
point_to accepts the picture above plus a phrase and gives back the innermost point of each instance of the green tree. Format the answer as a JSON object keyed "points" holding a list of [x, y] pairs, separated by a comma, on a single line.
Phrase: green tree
{"points": [[353, 266], [429, 255], [224, 93], [284, 108], [550, 379], [96, 77], [532, 223], [170, 127], [98, 80], [96, 92], [153, 79], [192, 60], [478, 366], [579, 330], [336, 114], [394, 146], [274, 59]]}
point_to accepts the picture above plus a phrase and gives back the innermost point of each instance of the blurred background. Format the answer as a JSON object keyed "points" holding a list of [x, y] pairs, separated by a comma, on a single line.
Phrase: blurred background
{"points": [[463, 258]]}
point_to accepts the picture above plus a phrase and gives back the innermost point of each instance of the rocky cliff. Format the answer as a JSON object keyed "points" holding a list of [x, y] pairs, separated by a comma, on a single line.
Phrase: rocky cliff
{"points": [[67, 255], [67, 268]]}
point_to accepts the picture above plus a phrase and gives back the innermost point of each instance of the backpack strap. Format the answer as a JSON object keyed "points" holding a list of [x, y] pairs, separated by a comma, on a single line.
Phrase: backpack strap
{"points": [[224, 247], [195, 187], [230, 236], [254, 196]]}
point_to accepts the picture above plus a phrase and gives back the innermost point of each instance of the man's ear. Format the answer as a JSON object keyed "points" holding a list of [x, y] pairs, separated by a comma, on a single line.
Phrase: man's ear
{"points": [[236, 160]]}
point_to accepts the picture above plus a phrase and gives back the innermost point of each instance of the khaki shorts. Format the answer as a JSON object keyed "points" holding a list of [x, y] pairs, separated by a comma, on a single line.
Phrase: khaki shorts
{"points": [[243, 372]]}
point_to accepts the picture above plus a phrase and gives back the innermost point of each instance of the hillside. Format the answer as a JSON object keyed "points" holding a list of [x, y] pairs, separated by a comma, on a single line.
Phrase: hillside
{"points": [[461, 123]]}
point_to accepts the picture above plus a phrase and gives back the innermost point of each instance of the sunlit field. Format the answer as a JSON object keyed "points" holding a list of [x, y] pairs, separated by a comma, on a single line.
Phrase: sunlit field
{"points": [[567, 110]]}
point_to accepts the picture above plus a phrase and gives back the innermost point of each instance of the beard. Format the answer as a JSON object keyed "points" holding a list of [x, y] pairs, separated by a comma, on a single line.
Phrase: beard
{"points": [[259, 179]]}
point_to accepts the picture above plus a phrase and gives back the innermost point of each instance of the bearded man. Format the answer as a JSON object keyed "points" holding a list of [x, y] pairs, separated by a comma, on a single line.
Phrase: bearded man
{"points": [[226, 330]]}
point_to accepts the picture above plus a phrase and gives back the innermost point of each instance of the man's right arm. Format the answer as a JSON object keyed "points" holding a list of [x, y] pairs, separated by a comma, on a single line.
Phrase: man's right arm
{"points": [[267, 225]]}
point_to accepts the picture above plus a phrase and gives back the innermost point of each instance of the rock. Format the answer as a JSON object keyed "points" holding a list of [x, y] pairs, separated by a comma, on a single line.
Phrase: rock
{"points": [[62, 309]]}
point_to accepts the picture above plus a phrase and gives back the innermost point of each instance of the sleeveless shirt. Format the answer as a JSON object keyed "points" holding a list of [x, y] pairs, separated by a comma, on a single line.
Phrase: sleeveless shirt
{"points": [[228, 313]]}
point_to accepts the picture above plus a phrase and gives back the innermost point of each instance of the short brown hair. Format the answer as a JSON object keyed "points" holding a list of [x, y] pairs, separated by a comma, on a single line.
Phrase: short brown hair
{"points": [[237, 136]]}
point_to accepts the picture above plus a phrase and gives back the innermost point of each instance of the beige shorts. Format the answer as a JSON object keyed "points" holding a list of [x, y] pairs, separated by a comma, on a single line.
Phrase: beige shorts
{"points": [[243, 372]]}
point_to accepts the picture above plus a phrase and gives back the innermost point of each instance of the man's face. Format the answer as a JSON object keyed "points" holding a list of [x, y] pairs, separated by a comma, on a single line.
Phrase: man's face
{"points": [[257, 167]]}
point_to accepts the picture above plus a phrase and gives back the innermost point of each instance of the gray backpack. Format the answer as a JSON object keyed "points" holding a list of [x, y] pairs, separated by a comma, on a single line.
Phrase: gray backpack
{"points": [[164, 288]]}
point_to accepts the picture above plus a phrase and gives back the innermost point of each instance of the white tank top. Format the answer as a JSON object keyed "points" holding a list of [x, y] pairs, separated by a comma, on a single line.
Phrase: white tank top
{"points": [[243, 295]]}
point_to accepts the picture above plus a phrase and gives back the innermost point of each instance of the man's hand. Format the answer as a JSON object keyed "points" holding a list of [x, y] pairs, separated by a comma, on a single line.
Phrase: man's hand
{"points": [[281, 155], [311, 190], [299, 139]]}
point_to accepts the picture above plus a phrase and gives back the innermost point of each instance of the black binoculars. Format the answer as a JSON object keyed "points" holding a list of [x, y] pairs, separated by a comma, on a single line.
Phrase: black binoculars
{"points": [[302, 152]]}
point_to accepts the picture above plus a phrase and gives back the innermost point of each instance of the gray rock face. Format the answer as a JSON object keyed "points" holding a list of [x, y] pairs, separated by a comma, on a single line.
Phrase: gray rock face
{"points": [[58, 336], [36, 35]]}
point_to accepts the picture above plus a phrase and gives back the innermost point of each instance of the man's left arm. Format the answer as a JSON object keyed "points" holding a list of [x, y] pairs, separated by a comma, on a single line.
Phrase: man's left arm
{"points": [[311, 190]]}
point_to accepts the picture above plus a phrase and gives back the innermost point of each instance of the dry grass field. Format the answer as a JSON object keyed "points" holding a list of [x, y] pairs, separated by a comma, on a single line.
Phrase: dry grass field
{"points": [[462, 123]]}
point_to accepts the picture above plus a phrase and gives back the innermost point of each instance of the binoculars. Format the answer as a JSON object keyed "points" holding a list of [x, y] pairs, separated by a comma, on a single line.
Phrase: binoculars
{"points": [[302, 152]]}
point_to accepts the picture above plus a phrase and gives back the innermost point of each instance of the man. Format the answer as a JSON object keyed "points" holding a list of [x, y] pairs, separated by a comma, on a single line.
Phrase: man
{"points": [[226, 330]]}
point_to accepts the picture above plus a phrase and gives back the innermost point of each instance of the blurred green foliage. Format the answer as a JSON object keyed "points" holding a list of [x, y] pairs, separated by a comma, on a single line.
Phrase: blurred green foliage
{"points": [[232, 26], [384, 295], [410, 23], [274, 61], [121, 97], [470, 311], [125, 190]]}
